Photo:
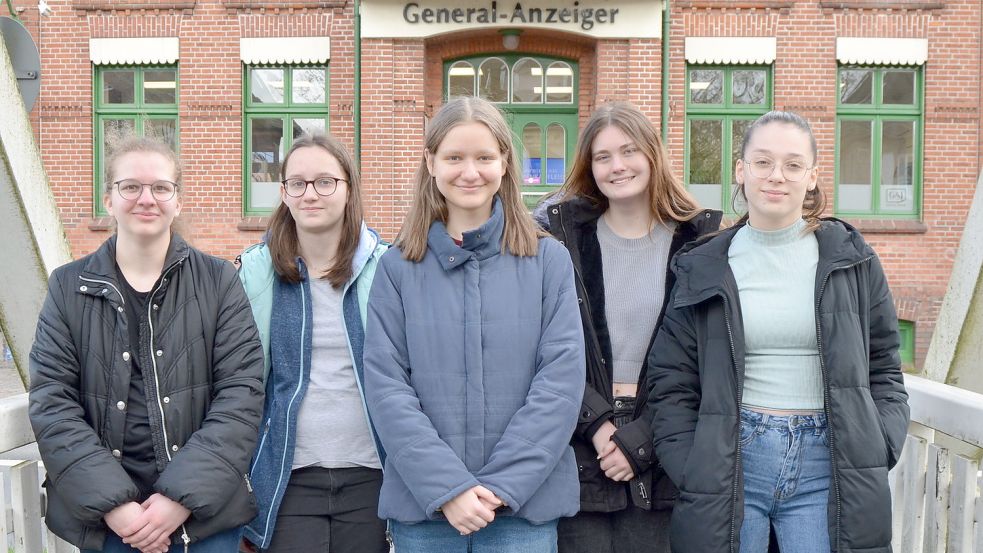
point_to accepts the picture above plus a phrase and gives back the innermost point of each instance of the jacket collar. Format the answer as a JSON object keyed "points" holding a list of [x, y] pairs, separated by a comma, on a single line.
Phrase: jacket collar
{"points": [[102, 263], [368, 241], [480, 243], [580, 211], [702, 267], [100, 267]]}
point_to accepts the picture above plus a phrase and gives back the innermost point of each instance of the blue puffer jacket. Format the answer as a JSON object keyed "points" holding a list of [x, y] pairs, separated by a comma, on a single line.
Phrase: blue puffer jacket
{"points": [[283, 316], [474, 374]]}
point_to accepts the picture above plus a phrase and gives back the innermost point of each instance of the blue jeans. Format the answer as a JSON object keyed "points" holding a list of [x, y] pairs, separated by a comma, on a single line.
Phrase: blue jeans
{"points": [[223, 542], [503, 535], [786, 463]]}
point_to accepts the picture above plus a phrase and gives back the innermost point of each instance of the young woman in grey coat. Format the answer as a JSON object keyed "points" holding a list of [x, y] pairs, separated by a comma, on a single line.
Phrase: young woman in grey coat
{"points": [[776, 380]]}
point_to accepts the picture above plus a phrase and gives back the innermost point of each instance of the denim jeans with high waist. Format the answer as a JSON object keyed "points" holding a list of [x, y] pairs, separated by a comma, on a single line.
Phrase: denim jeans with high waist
{"points": [[223, 542], [504, 535], [786, 463]]}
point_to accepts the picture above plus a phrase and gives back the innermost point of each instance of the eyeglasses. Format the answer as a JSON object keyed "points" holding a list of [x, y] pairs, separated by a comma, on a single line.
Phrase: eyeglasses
{"points": [[131, 189], [324, 186], [762, 168]]}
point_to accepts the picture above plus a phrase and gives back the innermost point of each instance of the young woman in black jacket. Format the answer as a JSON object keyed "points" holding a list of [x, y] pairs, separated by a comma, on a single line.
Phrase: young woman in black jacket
{"points": [[146, 379], [775, 379], [621, 214]]}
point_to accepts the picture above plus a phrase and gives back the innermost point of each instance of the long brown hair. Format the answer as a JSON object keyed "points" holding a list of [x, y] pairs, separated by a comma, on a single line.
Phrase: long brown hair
{"points": [[669, 199], [520, 237], [282, 229], [815, 201]]}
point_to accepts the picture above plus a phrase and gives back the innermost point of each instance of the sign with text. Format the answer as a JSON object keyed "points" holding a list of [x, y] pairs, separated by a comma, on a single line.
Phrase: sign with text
{"points": [[597, 18]]}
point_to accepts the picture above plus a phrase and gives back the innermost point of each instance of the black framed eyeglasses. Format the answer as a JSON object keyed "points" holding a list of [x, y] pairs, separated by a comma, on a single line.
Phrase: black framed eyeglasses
{"points": [[162, 190], [792, 171], [324, 186]]}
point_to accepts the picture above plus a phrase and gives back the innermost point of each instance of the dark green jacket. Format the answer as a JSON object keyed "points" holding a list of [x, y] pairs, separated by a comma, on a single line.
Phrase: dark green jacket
{"points": [[697, 376]]}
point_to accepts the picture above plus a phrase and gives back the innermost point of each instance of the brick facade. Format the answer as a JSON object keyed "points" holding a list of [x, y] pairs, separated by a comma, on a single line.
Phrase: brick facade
{"points": [[401, 86]]}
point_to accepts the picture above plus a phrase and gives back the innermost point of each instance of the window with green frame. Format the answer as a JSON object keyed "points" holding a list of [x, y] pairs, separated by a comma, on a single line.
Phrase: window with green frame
{"points": [[907, 331], [721, 103], [131, 100], [538, 96], [879, 120], [280, 103]]}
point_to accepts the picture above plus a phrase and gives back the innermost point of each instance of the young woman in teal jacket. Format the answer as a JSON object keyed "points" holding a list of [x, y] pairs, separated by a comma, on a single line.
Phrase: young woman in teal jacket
{"points": [[317, 469]]}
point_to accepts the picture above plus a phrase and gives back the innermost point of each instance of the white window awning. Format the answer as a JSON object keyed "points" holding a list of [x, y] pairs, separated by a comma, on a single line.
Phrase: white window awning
{"points": [[134, 51], [731, 49], [295, 49], [882, 51]]}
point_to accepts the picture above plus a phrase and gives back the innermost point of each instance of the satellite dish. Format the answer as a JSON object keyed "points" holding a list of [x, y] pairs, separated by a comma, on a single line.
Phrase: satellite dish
{"points": [[24, 57]]}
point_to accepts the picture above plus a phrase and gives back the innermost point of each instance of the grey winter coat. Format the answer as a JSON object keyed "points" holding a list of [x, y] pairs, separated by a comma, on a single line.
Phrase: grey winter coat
{"points": [[203, 384], [697, 379], [474, 374]]}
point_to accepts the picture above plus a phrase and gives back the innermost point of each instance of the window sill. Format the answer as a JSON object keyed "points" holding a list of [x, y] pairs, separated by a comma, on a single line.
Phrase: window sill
{"points": [[281, 4], [735, 5], [881, 5], [253, 223], [888, 226], [101, 224]]}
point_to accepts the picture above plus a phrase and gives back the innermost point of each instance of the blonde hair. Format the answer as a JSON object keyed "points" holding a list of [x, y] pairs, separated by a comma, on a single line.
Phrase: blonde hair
{"points": [[283, 242], [668, 198], [521, 234]]}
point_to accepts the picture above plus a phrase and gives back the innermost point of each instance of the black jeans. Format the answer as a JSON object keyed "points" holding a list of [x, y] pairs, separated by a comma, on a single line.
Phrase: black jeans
{"points": [[330, 511], [632, 530]]}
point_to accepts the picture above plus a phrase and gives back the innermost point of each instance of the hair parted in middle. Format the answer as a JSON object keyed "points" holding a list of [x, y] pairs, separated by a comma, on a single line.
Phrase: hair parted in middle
{"points": [[669, 199], [282, 229], [521, 234]]}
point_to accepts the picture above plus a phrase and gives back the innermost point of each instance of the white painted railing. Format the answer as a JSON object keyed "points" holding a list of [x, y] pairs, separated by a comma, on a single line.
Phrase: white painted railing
{"points": [[936, 485], [22, 527]]}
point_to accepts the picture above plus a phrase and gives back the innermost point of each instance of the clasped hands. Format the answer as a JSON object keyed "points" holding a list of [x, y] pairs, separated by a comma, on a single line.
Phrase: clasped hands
{"points": [[472, 509], [613, 461], [147, 526]]}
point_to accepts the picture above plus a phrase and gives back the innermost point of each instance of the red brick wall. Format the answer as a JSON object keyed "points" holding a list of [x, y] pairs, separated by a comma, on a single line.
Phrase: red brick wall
{"points": [[401, 88]]}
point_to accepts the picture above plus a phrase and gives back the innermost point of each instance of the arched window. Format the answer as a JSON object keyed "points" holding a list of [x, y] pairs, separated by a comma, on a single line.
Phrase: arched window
{"points": [[559, 83], [527, 82], [493, 80], [460, 80]]}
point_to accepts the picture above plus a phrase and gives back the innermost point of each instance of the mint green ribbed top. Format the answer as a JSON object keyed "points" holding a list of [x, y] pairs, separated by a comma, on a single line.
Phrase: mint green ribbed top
{"points": [[776, 279]]}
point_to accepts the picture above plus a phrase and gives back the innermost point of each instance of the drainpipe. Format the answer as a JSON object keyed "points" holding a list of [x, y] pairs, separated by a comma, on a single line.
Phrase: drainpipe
{"points": [[665, 71], [357, 103]]}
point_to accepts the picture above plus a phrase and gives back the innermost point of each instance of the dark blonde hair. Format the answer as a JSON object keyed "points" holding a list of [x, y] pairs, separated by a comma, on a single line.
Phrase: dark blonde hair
{"points": [[142, 144], [130, 144], [815, 201], [282, 229], [669, 199], [520, 236]]}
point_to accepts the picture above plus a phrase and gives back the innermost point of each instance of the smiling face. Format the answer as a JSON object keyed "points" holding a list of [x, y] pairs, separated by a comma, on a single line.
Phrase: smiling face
{"points": [[468, 169], [144, 217], [620, 169], [312, 212], [774, 202]]}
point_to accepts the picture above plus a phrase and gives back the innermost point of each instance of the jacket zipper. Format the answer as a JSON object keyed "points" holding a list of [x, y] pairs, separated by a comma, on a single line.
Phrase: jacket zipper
{"points": [[737, 440], [826, 399], [153, 362]]}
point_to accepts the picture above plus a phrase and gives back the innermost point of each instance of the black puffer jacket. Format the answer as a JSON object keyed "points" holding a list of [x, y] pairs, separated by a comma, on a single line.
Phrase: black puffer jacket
{"points": [[203, 384], [574, 223], [697, 380]]}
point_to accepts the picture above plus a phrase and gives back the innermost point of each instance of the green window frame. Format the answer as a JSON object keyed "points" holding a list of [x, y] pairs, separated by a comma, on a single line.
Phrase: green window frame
{"points": [[721, 102], [879, 126], [130, 100], [906, 330], [539, 97], [277, 97]]}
